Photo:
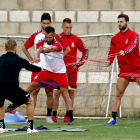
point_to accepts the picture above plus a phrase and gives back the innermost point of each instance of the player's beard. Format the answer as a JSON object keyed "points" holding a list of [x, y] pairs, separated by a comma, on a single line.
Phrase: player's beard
{"points": [[123, 27], [49, 43]]}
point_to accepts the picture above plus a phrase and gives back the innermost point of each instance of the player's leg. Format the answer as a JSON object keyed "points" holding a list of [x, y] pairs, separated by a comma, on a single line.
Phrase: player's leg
{"points": [[24, 97], [55, 104], [34, 95], [68, 102], [49, 103], [34, 85], [138, 81], [122, 83], [61, 80], [72, 78], [36, 91], [71, 94], [2, 99], [2, 125], [19, 97], [30, 114]]}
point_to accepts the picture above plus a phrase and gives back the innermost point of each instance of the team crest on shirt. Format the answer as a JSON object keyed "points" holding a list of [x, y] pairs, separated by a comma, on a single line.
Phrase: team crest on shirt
{"points": [[72, 44], [126, 41]]}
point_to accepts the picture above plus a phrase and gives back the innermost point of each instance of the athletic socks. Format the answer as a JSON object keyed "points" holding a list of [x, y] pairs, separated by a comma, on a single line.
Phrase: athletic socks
{"points": [[54, 113], [2, 125], [67, 113], [30, 124], [70, 113], [114, 114], [49, 111]]}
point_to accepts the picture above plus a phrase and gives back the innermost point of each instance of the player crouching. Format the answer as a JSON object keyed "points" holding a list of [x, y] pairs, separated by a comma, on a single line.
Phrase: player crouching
{"points": [[10, 66]]}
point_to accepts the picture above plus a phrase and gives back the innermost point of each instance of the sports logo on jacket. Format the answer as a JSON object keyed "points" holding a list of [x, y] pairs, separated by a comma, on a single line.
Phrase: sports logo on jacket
{"points": [[126, 41], [72, 44]]}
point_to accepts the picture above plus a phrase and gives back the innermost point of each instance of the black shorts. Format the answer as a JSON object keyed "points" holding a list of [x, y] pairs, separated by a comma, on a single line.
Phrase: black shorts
{"points": [[16, 95]]}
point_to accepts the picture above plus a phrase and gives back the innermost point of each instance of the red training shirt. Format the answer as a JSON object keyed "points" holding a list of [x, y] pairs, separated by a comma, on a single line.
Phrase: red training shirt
{"points": [[129, 42], [74, 42]]}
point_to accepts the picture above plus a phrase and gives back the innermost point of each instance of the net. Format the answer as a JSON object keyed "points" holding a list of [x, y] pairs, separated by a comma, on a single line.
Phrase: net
{"points": [[96, 83]]}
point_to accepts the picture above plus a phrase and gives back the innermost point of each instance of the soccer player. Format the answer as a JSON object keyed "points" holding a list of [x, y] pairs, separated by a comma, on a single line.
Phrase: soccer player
{"points": [[75, 43], [126, 45], [10, 66], [55, 67], [32, 41]]}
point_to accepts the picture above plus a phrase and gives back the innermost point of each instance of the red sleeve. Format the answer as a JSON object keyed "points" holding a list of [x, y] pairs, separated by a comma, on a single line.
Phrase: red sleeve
{"points": [[40, 43], [58, 45], [112, 50], [61, 41], [82, 48], [134, 42], [30, 42]]}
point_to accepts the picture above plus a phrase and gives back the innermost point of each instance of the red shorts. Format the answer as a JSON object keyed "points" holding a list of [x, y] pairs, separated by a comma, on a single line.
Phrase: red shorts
{"points": [[130, 75], [34, 74], [57, 78], [72, 79]]}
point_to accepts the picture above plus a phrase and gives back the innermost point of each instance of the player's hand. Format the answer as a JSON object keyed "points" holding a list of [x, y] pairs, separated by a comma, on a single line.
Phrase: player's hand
{"points": [[122, 53], [108, 63], [32, 61], [74, 66], [37, 60]]}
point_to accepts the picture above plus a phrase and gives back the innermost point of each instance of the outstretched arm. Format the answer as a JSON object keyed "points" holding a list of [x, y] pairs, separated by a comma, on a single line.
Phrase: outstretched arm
{"points": [[31, 67]]}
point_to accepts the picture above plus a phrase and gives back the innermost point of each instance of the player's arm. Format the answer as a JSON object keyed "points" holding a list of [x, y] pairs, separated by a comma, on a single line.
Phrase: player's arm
{"points": [[43, 50], [50, 49], [112, 51], [31, 67], [66, 48], [40, 49], [66, 51], [134, 42], [26, 52], [28, 44], [82, 48]]}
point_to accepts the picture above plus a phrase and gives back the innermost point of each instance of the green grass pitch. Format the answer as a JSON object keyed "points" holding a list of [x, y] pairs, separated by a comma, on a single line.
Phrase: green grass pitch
{"points": [[125, 130]]}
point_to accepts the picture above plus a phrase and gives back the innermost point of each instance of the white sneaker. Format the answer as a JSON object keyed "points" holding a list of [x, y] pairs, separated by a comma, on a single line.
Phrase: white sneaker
{"points": [[3, 130], [31, 131], [49, 119]]}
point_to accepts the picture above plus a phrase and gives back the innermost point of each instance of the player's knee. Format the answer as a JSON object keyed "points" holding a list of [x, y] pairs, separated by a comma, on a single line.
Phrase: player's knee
{"points": [[49, 94], [65, 94], [30, 101], [35, 92], [119, 93], [57, 94], [71, 94]]}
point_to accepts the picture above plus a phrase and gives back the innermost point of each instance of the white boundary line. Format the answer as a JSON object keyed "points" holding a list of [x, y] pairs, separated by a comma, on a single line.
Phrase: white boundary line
{"points": [[14, 134]]}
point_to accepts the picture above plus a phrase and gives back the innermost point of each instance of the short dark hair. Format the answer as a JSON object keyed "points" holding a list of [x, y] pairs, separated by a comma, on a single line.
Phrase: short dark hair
{"points": [[49, 29], [45, 16], [67, 20], [124, 16], [10, 44]]}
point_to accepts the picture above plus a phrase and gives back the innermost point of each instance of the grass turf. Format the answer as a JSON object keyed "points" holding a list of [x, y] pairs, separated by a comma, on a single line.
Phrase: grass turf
{"points": [[125, 130]]}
